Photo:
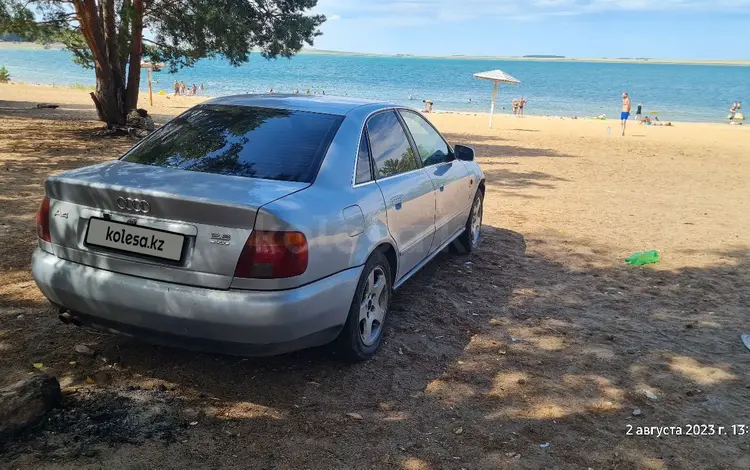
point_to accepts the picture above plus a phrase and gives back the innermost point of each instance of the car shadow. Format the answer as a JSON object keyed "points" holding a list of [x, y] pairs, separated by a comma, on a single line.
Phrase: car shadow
{"points": [[414, 330], [491, 149], [487, 356]]}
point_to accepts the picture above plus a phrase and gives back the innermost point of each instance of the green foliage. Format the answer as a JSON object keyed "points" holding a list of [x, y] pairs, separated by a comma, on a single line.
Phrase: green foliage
{"points": [[75, 43], [180, 32], [188, 30], [395, 166], [4, 75], [18, 18]]}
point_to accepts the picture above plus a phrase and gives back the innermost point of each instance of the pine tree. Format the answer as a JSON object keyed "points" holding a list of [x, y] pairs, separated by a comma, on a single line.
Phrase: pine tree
{"points": [[108, 36]]}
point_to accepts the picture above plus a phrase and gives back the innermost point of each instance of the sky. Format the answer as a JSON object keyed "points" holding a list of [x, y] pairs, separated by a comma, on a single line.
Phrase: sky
{"points": [[668, 29]]}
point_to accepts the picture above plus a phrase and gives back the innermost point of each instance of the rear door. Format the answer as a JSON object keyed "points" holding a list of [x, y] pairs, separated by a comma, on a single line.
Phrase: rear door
{"points": [[450, 176], [407, 189]]}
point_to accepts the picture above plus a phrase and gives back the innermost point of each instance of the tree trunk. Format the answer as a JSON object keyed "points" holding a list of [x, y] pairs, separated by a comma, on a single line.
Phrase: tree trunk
{"points": [[134, 66], [110, 35], [108, 100], [123, 32], [109, 21], [109, 90]]}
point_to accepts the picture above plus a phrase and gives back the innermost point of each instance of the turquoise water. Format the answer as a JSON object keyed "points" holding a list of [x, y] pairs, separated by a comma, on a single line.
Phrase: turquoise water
{"points": [[678, 92]]}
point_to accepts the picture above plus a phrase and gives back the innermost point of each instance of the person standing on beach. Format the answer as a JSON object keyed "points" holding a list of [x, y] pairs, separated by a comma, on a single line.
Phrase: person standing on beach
{"points": [[521, 104], [200, 89], [515, 107], [639, 112], [625, 111], [183, 88], [176, 88]]}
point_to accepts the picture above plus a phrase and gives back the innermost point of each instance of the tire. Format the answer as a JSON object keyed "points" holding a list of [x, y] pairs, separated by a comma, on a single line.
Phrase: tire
{"points": [[468, 241], [354, 342]]}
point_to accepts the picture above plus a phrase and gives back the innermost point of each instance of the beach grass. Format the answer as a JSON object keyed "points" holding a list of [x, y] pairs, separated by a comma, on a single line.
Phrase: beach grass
{"points": [[82, 87]]}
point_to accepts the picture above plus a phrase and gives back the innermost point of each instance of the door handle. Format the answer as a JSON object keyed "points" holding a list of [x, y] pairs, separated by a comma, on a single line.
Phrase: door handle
{"points": [[397, 201]]}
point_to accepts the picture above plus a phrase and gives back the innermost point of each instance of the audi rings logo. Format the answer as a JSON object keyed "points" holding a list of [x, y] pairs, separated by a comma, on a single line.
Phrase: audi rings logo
{"points": [[135, 205]]}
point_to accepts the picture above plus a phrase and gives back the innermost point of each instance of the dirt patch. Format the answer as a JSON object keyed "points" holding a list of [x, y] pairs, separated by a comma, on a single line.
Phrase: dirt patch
{"points": [[543, 336], [90, 421]]}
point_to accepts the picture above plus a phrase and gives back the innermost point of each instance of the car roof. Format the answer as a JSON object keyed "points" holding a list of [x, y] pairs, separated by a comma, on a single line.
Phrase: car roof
{"points": [[313, 103]]}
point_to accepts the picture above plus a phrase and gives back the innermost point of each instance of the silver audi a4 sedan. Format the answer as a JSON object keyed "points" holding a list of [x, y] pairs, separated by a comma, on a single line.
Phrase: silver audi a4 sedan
{"points": [[257, 225]]}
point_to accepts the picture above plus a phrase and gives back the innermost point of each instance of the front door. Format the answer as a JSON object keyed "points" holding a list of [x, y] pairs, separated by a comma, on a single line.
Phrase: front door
{"points": [[449, 176], [407, 189]]}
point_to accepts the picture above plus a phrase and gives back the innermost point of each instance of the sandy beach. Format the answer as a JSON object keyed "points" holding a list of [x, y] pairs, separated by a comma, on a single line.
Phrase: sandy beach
{"points": [[543, 336], [76, 103]]}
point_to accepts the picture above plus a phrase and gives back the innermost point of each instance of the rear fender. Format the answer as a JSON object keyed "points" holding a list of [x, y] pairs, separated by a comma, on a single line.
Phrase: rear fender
{"points": [[342, 226]]}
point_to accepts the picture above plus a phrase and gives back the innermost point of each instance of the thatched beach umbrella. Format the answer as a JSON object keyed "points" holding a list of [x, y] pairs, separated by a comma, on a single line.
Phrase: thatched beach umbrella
{"points": [[497, 76]]}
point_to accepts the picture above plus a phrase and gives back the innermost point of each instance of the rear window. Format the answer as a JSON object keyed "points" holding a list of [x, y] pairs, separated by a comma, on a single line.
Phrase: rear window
{"points": [[275, 144]]}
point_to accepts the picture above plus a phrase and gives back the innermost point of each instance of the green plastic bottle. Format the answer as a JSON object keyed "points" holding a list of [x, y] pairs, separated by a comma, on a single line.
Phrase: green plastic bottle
{"points": [[643, 257]]}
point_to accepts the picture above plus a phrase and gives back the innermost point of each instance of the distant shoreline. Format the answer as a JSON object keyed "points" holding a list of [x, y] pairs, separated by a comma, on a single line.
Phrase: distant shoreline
{"points": [[29, 45], [734, 63]]}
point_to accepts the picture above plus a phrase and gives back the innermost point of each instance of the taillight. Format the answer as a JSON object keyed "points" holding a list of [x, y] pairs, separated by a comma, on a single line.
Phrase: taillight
{"points": [[273, 255], [42, 221]]}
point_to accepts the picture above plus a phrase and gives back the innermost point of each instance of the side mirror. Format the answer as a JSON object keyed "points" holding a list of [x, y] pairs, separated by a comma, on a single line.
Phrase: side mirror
{"points": [[464, 153]]}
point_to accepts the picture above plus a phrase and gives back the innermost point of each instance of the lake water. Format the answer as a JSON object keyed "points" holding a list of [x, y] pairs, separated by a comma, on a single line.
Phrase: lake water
{"points": [[677, 92]]}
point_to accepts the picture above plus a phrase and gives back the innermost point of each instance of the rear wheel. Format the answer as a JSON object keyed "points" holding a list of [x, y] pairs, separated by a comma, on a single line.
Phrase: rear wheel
{"points": [[363, 331], [468, 241]]}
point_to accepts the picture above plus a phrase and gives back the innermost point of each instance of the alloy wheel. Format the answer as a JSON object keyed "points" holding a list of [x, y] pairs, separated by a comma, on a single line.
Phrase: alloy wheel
{"points": [[373, 307], [476, 221]]}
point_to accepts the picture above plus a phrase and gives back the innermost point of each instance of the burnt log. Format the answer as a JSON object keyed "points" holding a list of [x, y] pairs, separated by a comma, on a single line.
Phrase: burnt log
{"points": [[26, 402]]}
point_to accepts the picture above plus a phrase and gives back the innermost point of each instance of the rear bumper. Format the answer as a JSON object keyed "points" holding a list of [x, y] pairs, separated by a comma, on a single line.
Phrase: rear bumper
{"points": [[232, 321]]}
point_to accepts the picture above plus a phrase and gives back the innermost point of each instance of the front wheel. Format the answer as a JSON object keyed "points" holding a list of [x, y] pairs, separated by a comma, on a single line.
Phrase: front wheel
{"points": [[363, 331], [468, 241]]}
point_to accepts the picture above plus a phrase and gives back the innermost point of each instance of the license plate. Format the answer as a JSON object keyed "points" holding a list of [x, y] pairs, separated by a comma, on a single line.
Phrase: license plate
{"points": [[135, 239]]}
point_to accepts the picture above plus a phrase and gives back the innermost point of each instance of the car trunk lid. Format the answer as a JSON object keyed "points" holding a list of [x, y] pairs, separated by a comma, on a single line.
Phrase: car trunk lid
{"points": [[201, 219]]}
